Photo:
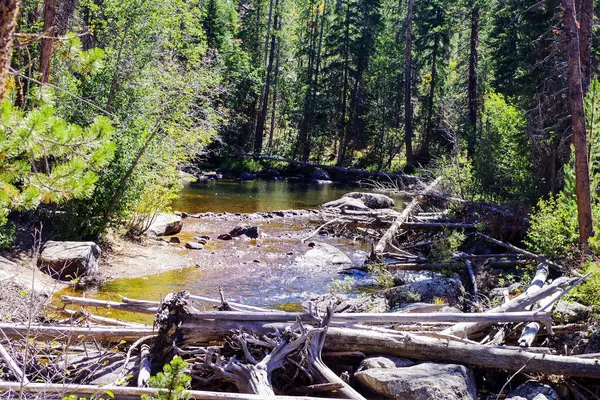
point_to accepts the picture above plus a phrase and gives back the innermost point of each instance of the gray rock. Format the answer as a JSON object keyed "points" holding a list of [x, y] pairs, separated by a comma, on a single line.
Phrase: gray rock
{"points": [[68, 260], [347, 203], [174, 239], [194, 246], [373, 200], [448, 289], [420, 382], [533, 391], [385, 362], [323, 255], [320, 175], [247, 176], [593, 345], [253, 232], [238, 231], [571, 311], [165, 225]]}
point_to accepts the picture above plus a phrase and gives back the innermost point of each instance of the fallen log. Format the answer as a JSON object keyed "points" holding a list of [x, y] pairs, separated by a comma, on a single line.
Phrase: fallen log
{"points": [[202, 299], [424, 348], [146, 309], [67, 389], [529, 254], [438, 226], [13, 366], [393, 230], [99, 319], [48, 332], [517, 304]]}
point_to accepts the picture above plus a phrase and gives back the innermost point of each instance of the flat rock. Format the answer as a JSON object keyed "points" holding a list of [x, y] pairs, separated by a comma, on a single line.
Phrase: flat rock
{"points": [[533, 391], [225, 236], [569, 312], [420, 382], [374, 201], [324, 255], [450, 290], [165, 225], [194, 246], [385, 362], [174, 239], [68, 260]]}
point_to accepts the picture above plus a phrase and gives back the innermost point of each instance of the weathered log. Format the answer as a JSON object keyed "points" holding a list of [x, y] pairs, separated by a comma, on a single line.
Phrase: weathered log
{"points": [[193, 297], [438, 226], [67, 389], [517, 304], [393, 230], [145, 366], [388, 318], [531, 329], [146, 309], [473, 280], [48, 332], [516, 249], [424, 348], [99, 319], [13, 366]]}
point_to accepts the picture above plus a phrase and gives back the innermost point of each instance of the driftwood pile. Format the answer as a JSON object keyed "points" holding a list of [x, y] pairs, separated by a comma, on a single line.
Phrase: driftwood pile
{"points": [[237, 351]]}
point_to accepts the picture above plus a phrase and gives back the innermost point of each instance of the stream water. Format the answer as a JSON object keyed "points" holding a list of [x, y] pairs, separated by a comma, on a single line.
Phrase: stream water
{"points": [[261, 272]]}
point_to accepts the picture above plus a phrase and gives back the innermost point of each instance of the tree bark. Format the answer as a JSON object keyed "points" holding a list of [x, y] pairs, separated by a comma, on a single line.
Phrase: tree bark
{"points": [[9, 9], [262, 116], [472, 90], [586, 21], [408, 110], [47, 45], [578, 130]]}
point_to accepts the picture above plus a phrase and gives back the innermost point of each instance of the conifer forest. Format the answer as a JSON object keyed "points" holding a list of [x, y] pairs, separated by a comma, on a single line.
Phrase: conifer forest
{"points": [[249, 199]]}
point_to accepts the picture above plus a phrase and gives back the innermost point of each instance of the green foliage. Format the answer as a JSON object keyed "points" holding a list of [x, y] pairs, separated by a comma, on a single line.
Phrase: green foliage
{"points": [[502, 161], [384, 278], [45, 159], [344, 285], [443, 248], [457, 176], [7, 236], [587, 292], [174, 378], [553, 227]]}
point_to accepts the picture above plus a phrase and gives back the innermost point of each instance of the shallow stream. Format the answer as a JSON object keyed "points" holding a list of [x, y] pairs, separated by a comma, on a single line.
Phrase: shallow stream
{"points": [[263, 271]]}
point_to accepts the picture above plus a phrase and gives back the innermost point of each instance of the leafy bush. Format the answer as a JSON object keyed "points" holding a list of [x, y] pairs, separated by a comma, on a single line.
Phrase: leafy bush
{"points": [[502, 160], [443, 249], [7, 236], [553, 229], [587, 292], [343, 285], [383, 277]]}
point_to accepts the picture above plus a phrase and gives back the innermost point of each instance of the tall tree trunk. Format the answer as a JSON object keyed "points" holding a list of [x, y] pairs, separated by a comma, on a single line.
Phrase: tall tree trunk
{"points": [[428, 128], [262, 116], [275, 88], [586, 22], [342, 148], [305, 124], [578, 131], [9, 9], [47, 45], [408, 109], [472, 91]]}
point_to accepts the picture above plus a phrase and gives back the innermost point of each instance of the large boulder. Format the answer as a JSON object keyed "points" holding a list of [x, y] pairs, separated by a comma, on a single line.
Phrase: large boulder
{"points": [[569, 312], [320, 175], [385, 362], [68, 260], [448, 289], [247, 176], [324, 255], [374, 201], [165, 225], [533, 391], [420, 382]]}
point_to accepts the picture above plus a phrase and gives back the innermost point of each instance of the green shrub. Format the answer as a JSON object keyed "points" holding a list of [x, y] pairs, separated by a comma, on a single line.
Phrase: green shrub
{"points": [[383, 277], [587, 292], [7, 236], [174, 378], [344, 285], [553, 229], [443, 249]]}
